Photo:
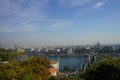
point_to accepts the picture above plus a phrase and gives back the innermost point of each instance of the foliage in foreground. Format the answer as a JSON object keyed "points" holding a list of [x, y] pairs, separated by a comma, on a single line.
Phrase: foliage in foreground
{"points": [[7, 55], [35, 68], [106, 69]]}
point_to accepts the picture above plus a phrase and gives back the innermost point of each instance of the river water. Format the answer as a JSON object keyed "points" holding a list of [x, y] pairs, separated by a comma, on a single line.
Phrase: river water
{"points": [[72, 62]]}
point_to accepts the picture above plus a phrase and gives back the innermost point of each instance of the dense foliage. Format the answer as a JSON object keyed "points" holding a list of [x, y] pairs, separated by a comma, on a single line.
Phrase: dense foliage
{"points": [[35, 68], [6, 55], [105, 69]]}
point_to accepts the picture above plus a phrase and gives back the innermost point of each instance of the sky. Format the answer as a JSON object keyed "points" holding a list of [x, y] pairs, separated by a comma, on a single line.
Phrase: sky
{"points": [[38, 23]]}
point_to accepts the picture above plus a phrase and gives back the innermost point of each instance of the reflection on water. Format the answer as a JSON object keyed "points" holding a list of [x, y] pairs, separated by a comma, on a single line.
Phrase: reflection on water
{"points": [[72, 61]]}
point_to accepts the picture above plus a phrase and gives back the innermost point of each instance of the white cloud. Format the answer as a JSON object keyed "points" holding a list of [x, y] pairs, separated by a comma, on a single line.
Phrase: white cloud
{"points": [[73, 2], [40, 25], [23, 8], [99, 5], [58, 26], [21, 28], [20, 12]]}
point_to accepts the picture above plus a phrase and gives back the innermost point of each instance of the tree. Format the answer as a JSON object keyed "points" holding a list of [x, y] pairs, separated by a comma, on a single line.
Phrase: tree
{"points": [[38, 67], [7, 55], [66, 68], [11, 71], [35, 68], [107, 69]]}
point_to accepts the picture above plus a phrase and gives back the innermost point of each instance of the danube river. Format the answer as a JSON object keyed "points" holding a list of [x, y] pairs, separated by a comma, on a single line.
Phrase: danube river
{"points": [[72, 62]]}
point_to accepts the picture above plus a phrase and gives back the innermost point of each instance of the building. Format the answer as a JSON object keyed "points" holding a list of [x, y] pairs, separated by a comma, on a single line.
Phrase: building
{"points": [[54, 67], [20, 50], [70, 51], [53, 71]]}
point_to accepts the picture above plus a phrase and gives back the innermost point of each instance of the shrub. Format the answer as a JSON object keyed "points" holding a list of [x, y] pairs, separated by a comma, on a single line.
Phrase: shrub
{"points": [[106, 69]]}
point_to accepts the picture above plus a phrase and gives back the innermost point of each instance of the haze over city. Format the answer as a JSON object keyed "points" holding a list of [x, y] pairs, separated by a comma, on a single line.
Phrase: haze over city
{"points": [[36, 23]]}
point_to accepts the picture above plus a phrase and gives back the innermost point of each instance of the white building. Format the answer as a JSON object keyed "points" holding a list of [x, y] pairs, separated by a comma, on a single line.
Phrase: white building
{"points": [[53, 71], [20, 50], [55, 64], [70, 51]]}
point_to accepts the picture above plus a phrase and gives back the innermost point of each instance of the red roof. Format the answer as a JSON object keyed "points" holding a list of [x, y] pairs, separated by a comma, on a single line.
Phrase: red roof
{"points": [[52, 70]]}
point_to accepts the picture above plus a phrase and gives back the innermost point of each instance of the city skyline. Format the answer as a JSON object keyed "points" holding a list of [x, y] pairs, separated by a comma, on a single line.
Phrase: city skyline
{"points": [[36, 23]]}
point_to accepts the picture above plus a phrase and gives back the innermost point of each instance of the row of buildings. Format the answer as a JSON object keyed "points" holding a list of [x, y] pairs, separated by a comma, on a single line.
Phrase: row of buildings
{"points": [[70, 50]]}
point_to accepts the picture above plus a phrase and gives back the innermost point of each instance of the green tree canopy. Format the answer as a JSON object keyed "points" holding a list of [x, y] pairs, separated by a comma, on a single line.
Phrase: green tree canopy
{"points": [[7, 55], [35, 68], [107, 69]]}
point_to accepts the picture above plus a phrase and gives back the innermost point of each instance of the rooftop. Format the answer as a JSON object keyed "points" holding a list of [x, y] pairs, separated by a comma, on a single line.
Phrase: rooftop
{"points": [[53, 62], [52, 70]]}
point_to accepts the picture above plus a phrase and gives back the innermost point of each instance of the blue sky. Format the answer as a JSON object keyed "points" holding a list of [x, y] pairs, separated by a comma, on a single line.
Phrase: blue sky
{"points": [[37, 23]]}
